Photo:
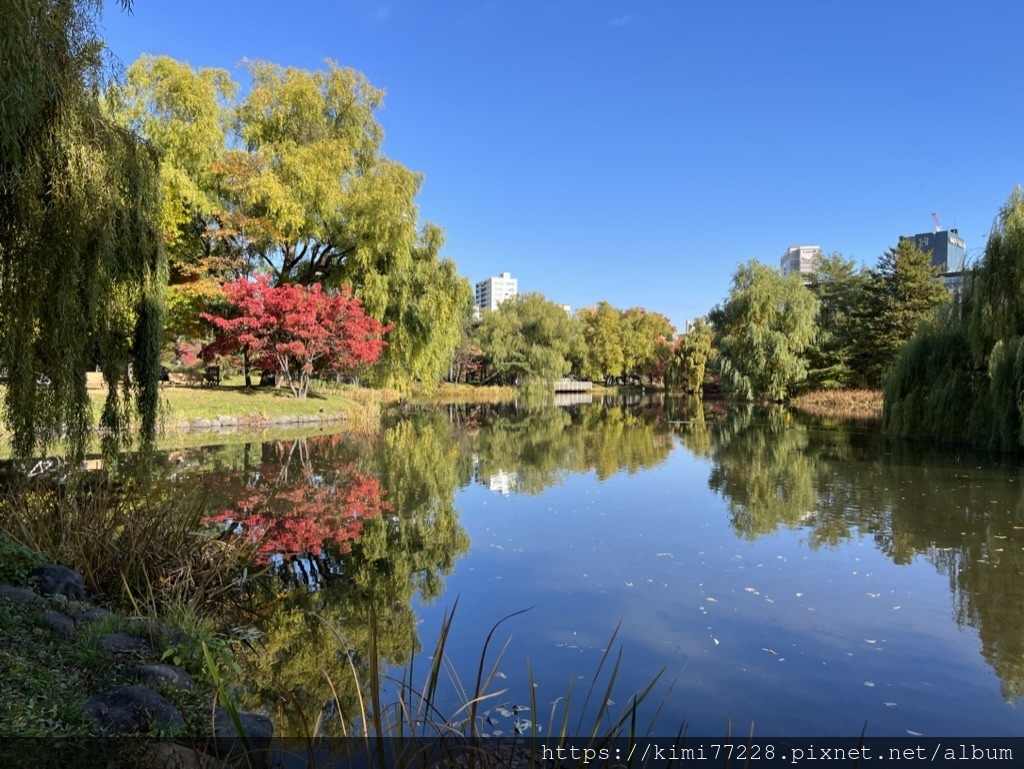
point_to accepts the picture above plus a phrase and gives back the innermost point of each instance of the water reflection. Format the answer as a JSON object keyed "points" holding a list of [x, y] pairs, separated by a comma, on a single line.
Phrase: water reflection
{"points": [[962, 512], [369, 525]]}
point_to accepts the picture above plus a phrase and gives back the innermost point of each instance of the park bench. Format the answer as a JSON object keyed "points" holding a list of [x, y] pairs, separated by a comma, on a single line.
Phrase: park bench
{"points": [[211, 378]]}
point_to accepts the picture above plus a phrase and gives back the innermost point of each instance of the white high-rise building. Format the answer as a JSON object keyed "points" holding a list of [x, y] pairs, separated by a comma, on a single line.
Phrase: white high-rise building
{"points": [[800, 259], [493, 291]]}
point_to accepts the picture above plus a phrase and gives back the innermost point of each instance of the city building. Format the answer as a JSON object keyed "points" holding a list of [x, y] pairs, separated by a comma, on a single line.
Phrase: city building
{"points": [[493, 291], [801, 260], [948, 252]]}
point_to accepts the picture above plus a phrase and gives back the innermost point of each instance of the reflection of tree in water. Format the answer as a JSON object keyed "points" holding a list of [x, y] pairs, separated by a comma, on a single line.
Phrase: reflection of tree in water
{"points": [[303, 509], [539, 447], [765, 473], [963, 514], [298, 491], [407, 551]]}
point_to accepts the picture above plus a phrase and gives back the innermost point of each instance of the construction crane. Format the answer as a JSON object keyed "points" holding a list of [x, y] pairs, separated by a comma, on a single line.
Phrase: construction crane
{"points": [[935, 218]]}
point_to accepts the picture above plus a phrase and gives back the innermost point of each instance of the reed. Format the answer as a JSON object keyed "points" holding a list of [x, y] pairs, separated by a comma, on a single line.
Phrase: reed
{"points": [[412, 732], [841, 404], [126, 544]]}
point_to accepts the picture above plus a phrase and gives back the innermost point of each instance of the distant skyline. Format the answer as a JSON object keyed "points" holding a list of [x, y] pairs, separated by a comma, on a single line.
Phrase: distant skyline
{"points": [[637, 152]]}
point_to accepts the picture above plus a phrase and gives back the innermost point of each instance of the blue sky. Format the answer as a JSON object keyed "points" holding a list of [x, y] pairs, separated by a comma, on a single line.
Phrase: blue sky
{"points": [[637, 151]]}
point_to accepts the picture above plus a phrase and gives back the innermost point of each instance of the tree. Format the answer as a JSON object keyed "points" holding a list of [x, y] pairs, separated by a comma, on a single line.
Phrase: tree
{"points": [[529, 338], [902, 291], [961, 377], [765, 327], [645, 335], [427, 306], [689, 358], [300, 188], [82, 266], [624, 343], [840, 288], [184, 116], [295, 330], [602, 335]]}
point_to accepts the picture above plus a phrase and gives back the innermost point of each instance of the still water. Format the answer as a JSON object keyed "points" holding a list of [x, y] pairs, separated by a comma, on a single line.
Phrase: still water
{"points": [[804, 577]]}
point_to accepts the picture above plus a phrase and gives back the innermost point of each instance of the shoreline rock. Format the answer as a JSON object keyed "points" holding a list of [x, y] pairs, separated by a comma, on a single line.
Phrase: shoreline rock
{"points": [[133, 709]]}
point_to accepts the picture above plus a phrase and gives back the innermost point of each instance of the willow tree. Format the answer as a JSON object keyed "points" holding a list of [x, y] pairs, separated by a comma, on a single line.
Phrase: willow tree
{"points": [[529, 339], [299, 186], [765, 328], [82, 268], [184, 116], [961, 378], [689, 359]]}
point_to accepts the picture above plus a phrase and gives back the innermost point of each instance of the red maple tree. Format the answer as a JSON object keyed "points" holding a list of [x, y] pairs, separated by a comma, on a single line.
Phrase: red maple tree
{"points": [[295, 330]]}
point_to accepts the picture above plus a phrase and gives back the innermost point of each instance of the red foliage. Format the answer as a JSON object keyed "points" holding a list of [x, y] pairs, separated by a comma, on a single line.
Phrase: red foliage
{"points": [[295, 330], [302, 520]]}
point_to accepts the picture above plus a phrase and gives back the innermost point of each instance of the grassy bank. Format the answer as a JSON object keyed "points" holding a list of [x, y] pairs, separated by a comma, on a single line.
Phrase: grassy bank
{"points": [[841, 404]]}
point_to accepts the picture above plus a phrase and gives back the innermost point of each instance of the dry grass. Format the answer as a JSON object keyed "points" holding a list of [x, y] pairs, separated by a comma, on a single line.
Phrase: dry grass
{"points": [[841, 404], [125, 544], [446, 392]]}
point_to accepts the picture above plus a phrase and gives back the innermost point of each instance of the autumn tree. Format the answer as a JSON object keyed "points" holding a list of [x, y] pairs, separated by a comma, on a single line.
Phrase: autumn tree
{"points": [[295, 330], [184, 116], [644, 336], [82, 266], [602, 335], [624, 343], [764, 328], [299, 187], [689, 357]]}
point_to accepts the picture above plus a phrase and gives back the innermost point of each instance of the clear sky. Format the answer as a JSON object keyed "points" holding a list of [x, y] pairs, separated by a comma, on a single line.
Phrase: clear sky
{"points": [[637, 150]]}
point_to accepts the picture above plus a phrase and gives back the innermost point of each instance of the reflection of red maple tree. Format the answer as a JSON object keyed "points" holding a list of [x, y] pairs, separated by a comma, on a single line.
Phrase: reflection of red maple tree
{"points": [[302, 520]]}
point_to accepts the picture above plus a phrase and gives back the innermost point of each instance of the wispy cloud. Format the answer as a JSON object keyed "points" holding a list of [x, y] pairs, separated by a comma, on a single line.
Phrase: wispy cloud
{"points": [[622, 21]]}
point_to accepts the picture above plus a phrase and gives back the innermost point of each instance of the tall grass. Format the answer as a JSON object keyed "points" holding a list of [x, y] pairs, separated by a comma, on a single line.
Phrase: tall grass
{"points": [[412, 731], [126, 544]]}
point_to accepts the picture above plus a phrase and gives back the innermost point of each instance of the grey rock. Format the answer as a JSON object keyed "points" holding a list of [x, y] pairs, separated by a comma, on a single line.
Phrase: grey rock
{"points": [[165, 755], [163, 635], [201, 424], [130, 709], [22, 595], [59, 622], [126, 643], [258, 730], [161, 674], [88, 614], [54, 579]]}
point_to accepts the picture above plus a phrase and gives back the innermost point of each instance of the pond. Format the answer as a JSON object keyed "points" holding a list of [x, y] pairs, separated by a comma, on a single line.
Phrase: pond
{"points": [[805, 577]]}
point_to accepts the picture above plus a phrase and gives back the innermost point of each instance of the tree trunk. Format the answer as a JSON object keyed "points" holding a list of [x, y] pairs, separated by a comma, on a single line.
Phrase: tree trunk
{"points": [[245, 369]]}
